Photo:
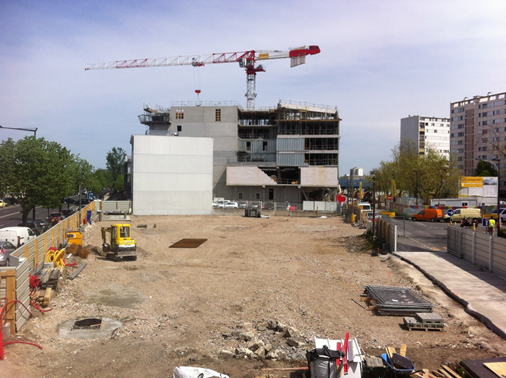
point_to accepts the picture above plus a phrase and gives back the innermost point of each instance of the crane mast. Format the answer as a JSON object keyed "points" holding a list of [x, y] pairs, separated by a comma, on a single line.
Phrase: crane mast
{"points": [[246, 60]]}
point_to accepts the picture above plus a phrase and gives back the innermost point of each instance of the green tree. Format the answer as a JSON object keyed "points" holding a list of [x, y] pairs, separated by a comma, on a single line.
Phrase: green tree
{"points": [[115, 165], [428, 175], [36, 172], [485, 169]]}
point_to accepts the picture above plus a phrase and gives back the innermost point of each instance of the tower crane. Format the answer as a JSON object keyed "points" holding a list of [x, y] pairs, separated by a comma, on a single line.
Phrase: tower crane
{"points": [[246, 60]]}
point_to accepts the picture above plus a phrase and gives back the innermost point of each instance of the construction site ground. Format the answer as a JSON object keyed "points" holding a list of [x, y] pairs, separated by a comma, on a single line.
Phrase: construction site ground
{"points": [[186, 306]]}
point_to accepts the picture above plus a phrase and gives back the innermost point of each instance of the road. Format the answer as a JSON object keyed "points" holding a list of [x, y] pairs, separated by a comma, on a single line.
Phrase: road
{"points": [[11, 215], [420, 236]]}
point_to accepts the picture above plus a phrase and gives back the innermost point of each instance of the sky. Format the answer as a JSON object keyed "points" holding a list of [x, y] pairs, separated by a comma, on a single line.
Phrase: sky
{"points": [[380, 61]]}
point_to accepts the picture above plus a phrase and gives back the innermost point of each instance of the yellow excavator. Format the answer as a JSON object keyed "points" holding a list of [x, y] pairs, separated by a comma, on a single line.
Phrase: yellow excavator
{"points": [[118, 239]]}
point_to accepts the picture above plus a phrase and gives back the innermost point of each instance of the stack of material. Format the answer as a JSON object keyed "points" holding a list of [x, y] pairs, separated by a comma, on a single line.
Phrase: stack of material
{"points": [[425, 321], [390, 300]]}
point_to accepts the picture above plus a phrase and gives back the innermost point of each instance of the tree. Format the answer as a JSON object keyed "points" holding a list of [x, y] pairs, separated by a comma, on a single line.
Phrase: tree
{"points": [[115, 165], [485, 169], [36, 172], [428, 175]]}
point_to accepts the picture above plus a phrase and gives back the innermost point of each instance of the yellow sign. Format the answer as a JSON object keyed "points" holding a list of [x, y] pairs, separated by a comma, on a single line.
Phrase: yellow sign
{"points": [[471, 182]]}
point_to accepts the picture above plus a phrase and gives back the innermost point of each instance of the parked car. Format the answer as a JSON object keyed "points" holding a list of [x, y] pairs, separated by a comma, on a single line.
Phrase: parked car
{"points": [[17, 235], [42, 224], [243, 204], [219, 204], [231, 205], [56, 217], [69, 201], [85, 201], [32, 226], [6, 248], [268, 206], [11, 201], [2, 203], [68, 212]]}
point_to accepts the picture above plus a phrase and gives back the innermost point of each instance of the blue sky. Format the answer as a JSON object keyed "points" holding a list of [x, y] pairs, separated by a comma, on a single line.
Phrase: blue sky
{"points": [[380, 61]]}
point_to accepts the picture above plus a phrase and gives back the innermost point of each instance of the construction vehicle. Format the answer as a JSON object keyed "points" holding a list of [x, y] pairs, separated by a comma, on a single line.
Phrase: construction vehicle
{"points": [[119, 241], [246, 60]]}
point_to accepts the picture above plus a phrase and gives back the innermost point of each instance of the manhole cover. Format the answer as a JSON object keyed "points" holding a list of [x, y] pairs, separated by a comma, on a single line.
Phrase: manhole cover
{"points": [[188, 243], [88, 324], [88, 328]]}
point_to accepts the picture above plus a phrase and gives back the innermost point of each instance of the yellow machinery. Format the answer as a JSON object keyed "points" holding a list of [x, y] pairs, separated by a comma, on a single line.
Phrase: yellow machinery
{"points": [[117, 239], [75, 236]]}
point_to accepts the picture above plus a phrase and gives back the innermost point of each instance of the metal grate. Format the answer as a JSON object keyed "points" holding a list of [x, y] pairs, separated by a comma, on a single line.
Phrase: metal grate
{"points": [[397, 300]]}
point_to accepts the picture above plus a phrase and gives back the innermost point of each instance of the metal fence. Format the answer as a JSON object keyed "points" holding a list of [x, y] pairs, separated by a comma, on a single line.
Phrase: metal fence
{"points": [[479, 248], [27, 260]]}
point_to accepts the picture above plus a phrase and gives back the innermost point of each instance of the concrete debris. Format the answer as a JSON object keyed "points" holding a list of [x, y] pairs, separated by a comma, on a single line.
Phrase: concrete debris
{"points": [[271, 340]]}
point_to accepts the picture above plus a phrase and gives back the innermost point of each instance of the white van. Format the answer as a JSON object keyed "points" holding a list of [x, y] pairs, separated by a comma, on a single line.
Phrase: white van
{"points": [[17, 235]]}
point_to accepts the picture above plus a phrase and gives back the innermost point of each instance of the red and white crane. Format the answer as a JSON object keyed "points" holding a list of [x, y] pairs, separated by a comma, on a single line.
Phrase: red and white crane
{"points": [[246, 60]]}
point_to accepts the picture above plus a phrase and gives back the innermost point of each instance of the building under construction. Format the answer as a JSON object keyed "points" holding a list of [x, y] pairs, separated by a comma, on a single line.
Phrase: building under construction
{"points": [[288, 153]]}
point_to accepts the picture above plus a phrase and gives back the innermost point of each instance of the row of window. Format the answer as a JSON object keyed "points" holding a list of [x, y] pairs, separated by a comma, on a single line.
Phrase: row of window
{"points": [[423, 124], [492, 113], [458, 126], [180, 114], [492, 121], [492, 104], [456, 135]]}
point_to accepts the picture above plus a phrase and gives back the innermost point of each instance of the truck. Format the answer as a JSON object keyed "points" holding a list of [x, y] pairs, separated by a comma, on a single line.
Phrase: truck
{"points": [[118, 239]]}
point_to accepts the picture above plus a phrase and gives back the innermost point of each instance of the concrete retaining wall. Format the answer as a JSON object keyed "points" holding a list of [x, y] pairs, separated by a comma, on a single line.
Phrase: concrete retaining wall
{"points": [[479, 248]]}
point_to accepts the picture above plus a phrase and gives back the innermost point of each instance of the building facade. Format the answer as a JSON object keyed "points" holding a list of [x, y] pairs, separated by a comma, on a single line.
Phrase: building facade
{"points": [[427, 133], [478, 126], [289, 153]]}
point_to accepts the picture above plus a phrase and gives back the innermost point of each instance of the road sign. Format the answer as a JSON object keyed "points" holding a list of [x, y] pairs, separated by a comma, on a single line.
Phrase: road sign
{"points": [[450, 213]]}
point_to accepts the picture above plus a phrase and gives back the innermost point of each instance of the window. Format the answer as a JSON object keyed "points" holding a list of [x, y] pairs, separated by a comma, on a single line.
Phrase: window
{"points": [[240, 195], [257, 196], [248, 146], [218, 115], [466, 204], [179, 113], [179, 128], [264, 147], [271, 194]]}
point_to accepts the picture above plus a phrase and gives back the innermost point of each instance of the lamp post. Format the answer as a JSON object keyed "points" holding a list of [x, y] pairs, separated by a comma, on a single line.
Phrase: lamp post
{"points": [[34, 131], [498, 187], [373, 205]]}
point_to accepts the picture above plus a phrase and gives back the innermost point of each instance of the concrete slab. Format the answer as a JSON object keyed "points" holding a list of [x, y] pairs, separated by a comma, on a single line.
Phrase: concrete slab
{"points": [[482, 294], [66, 331]]}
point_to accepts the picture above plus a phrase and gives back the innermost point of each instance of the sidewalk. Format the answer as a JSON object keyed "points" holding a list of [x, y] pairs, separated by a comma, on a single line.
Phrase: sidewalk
{"points": [[482, 294]]}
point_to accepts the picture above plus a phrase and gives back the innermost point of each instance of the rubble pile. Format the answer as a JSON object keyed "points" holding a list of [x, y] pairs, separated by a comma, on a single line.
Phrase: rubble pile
{"points": [[270, 340]]}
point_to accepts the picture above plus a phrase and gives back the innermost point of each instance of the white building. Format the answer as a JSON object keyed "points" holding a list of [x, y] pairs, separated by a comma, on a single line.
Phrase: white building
{"points": [[428, 133]]}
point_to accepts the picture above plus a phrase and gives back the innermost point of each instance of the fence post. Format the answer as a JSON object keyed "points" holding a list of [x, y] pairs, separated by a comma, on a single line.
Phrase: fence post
{"points": [[473, 248], [490, 249], [395, 238]]}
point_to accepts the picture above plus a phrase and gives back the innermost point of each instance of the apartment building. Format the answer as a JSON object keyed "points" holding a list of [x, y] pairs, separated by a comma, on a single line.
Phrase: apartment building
{"points": [[428, 133], [288, 153], [477, 126]]}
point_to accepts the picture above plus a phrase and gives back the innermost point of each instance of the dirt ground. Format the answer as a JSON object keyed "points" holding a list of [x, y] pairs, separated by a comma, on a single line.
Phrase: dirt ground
{"points": [[253, 280]]}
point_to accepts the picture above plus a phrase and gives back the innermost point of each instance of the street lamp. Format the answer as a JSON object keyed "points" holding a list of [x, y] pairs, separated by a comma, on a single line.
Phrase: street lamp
{"points": [[498, 165], [34, 131]]}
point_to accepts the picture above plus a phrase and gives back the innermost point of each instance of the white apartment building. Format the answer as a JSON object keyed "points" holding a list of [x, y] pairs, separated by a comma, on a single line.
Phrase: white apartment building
{"points": [[428, 133]]}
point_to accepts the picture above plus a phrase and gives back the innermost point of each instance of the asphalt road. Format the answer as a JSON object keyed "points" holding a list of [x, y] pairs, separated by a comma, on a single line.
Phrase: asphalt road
{"points": [[11, 215], [420, 236]]}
